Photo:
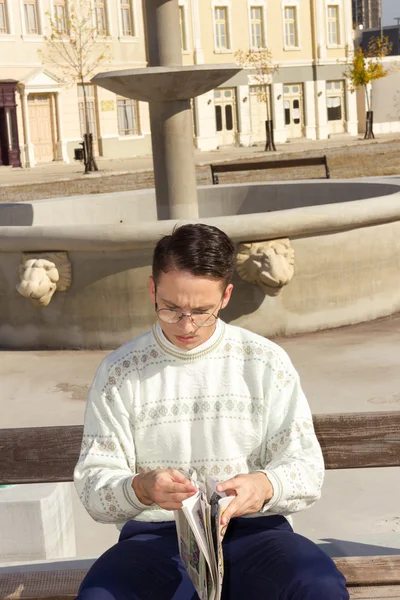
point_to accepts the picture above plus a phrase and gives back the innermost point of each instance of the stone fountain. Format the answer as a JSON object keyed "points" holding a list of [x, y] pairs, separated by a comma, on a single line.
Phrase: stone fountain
{"points": [[311, 254]]}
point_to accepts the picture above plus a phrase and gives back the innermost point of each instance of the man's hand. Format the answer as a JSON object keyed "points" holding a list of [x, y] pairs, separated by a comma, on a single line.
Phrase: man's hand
{"points": [[165, 487], [251, 492]]}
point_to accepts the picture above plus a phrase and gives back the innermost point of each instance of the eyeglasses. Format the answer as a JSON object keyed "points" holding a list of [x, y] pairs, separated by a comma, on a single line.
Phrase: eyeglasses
{"points": [[174, 315]]}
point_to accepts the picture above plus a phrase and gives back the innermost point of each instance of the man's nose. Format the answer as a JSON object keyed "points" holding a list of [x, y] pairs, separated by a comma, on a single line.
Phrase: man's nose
{"points": [[186, 325]]}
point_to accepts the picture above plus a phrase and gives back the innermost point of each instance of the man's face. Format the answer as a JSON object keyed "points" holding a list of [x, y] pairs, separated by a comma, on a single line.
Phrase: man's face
{"points": [[189, 293]]}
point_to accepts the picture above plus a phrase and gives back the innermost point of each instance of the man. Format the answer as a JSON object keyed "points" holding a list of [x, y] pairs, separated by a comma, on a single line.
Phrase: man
{"points": [[195, 393]]}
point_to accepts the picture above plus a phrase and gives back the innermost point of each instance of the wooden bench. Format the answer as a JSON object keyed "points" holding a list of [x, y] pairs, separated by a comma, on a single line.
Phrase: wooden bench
{"points": [[350, 440], [308, 161]]}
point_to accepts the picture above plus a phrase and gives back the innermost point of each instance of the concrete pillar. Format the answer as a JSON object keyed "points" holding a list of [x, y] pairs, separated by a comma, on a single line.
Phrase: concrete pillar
{"points": [[173, 157], [351, 112], [280, 134], [204, 114], [36, 522], [310, 128], [29, 149], [164, 49], [244, 116], [60, 145], [322, 116], [171, 122]]}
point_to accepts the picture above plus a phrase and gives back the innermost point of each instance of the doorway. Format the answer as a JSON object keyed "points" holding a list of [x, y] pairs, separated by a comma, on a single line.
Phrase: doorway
{"points": [[40, 120], [225, 116], [294, 112], [335, 106]]}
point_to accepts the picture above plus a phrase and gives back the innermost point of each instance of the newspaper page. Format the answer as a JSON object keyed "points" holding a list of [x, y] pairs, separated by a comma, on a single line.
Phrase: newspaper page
{"points": [[196, 554], [200, 536]]}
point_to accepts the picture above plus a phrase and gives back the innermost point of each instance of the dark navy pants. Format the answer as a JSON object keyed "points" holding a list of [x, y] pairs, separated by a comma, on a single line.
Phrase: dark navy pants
{"points": [[264, 560]]}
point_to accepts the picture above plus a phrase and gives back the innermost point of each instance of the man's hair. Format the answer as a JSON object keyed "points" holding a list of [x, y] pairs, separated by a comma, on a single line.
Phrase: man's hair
{"points": [[199, 249]]}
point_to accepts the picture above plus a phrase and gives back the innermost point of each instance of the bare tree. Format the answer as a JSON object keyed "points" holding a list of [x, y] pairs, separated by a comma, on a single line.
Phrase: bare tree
{"points": [[262, 67], [75, 47]]}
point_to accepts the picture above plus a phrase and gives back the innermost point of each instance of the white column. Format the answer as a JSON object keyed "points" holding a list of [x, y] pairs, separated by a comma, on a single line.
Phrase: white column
{"points": [[322, 115], [310, 129], [205, 122], [348, 27], [319, 25], [244, 117], [351, 112], [61, 143], [198, 54], [280, 133], [29, 149]]}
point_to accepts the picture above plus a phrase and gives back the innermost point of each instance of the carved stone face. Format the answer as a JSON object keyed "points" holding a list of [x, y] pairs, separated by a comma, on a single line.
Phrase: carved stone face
{"points": [[42, 275], [269, 264]]}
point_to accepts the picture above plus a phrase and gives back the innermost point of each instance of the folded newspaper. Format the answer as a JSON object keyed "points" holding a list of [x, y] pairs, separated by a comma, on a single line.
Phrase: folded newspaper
{"points": [[200, 535]]}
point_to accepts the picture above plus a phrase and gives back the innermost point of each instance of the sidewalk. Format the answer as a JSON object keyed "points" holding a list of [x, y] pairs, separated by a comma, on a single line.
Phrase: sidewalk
{"points": [[59, 171]]}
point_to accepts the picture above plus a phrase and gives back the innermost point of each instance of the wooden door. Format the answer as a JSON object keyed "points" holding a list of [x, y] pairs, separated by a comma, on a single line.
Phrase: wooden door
{"points": [[40, 122], [335, 106]]}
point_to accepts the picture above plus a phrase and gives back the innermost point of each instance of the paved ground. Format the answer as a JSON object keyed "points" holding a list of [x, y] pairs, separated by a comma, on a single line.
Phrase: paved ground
{"points": [[347, 369], [347, 158]]}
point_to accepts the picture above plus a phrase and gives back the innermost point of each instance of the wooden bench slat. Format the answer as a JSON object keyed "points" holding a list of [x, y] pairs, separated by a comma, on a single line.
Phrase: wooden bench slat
{"points": [[348, 440], [39, 454], [359, 440], [384, 592], [363, 574], [370, 570], [310, 161]]}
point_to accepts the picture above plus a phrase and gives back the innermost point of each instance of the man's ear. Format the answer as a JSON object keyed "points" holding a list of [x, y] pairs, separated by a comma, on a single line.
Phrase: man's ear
{"points": [[152, 289], [227, 295]]}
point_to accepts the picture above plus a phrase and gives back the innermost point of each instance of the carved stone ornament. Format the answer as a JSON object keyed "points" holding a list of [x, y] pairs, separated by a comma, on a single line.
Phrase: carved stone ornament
{"points": [[269, 264], [42, 274]]}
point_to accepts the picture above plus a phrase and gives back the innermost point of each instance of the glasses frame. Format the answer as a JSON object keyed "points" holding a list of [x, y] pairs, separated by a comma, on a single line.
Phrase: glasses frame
{"points": [[190, 314]]}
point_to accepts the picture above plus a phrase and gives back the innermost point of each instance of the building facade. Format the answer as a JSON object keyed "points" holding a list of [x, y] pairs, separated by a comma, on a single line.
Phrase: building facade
{"points": [[310, 40], [367, 13]]}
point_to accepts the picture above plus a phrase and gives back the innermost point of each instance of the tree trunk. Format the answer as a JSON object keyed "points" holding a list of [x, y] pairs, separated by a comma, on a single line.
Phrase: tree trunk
{"points": [[90, 163], [269, 129], [369, 126]]}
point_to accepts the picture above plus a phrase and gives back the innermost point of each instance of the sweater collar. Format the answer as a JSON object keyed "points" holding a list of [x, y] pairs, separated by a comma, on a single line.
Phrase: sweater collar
{"points": [[198, 352]]}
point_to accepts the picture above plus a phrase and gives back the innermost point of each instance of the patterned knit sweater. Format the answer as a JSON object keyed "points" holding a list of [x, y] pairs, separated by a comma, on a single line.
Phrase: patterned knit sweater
{"points": [[232, 405]]}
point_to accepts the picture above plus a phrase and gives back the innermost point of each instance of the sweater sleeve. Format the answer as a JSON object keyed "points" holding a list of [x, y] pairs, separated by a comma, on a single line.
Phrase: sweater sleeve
{"points": [[293, 463], [106, 467]]}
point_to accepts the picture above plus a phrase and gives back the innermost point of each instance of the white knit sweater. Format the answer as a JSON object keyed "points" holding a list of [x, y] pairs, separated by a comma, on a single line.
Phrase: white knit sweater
{"points": [[232, 405]]}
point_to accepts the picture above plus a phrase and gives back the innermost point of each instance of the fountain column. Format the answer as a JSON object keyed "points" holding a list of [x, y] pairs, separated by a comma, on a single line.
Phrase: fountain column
{"points": [[174, 165], [168, 86]]}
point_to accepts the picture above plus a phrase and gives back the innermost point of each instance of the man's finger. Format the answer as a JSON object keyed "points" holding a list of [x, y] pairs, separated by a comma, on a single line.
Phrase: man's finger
{"points": [[179, 477], [230, 484]]}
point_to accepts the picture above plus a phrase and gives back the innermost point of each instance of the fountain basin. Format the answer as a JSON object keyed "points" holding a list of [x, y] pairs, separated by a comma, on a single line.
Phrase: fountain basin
{"points": [[166, 84], [345, 236]]}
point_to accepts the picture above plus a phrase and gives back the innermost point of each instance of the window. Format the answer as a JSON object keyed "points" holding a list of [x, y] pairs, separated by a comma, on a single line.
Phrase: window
{"points": [[60, 16], [127, 22], [100, 17], [291, 35], [221, 28], [257, 27], [3, 17], [128, 116], [334, 100], [182, 21], [31, 17], [333, 26], [91, 110]]}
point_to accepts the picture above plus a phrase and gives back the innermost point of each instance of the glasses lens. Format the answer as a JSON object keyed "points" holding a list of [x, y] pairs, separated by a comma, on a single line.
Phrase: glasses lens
{"points": [[204, 320], [168, 316]]}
